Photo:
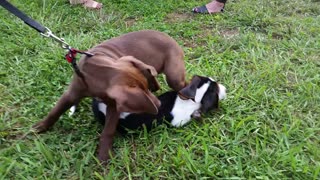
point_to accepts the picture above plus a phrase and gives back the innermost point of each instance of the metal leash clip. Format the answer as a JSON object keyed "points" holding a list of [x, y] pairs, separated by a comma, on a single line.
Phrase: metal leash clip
{"points": [[49, 34]]}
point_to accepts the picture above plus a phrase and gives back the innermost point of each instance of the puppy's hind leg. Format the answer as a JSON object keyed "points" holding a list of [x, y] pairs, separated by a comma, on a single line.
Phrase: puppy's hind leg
{"points": [[72, 96]]}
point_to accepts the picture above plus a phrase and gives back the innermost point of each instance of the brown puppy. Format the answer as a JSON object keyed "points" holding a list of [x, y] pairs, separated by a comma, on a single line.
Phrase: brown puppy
{"points": [[119, 74]]}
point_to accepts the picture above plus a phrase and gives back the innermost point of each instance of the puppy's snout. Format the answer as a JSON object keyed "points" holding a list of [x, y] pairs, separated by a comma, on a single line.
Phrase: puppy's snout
{"points": [[158, 103], [222, 92], [154, 99]]}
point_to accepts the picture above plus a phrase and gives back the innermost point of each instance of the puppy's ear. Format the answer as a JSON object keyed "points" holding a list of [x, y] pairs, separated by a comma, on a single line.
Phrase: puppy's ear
{"points": [[148, 71], [189, 92], [134, 100], [209, 101], [153, 84]]}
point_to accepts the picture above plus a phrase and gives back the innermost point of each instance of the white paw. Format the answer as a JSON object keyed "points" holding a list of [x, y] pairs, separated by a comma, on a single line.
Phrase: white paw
{"points": [[222, 92], [180, 123], [72, 110]]}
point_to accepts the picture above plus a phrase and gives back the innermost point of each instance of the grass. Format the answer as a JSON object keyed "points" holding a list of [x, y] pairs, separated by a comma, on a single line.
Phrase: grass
{"points": [[265, 52]]}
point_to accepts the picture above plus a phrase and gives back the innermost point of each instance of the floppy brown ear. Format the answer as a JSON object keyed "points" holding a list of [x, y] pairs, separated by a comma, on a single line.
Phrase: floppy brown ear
{"points": [[189, 92], [148, 71], [134, 100]]}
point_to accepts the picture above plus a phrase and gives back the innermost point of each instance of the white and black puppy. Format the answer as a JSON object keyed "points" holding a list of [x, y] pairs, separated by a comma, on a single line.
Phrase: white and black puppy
{"points": [[200, 95]]}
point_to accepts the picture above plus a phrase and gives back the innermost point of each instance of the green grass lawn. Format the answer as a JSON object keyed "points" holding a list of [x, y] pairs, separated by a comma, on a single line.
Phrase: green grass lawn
{"points": [[265, 52]]}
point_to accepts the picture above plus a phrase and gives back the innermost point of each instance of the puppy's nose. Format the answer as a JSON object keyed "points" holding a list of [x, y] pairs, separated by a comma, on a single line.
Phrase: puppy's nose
{"points": [[222, 92]]}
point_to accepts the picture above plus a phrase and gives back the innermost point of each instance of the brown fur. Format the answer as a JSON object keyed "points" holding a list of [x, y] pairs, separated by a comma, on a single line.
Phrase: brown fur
{"points": [[120, 73]]}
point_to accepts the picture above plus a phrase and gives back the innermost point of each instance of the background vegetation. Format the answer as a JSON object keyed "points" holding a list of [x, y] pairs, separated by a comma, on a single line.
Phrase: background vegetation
{"points": [[265, 52]]}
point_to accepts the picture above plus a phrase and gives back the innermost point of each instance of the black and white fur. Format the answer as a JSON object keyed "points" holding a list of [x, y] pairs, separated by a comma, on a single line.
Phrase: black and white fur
{"points": [[203, 94]]}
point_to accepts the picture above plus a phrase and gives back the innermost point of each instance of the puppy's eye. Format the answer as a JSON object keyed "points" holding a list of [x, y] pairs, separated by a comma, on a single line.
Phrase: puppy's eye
{"points": [[132, 85]]}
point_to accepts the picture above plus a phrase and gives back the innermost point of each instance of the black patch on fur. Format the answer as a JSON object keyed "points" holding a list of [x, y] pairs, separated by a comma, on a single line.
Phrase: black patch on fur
{"points": [[189, 92], [99, 116], [136, 121], [209, 101]]}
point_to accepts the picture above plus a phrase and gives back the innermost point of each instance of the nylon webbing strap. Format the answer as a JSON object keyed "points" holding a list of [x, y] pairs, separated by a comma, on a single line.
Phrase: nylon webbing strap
{"points": [[32, 23]]}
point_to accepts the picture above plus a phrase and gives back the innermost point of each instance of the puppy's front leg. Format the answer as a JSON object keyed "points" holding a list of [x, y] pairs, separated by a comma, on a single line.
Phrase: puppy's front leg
{"points": [[64, 103], [106, 138], [72, 96]]}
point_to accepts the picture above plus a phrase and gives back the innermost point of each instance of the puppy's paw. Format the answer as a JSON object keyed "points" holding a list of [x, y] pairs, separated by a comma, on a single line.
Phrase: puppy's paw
{"points": [[40, 127], [104, 158]]}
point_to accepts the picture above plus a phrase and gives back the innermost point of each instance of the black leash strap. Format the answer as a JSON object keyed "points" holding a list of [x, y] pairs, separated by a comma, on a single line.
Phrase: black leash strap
{"points": [[70, 56], [44, 31], [32, 23]]}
